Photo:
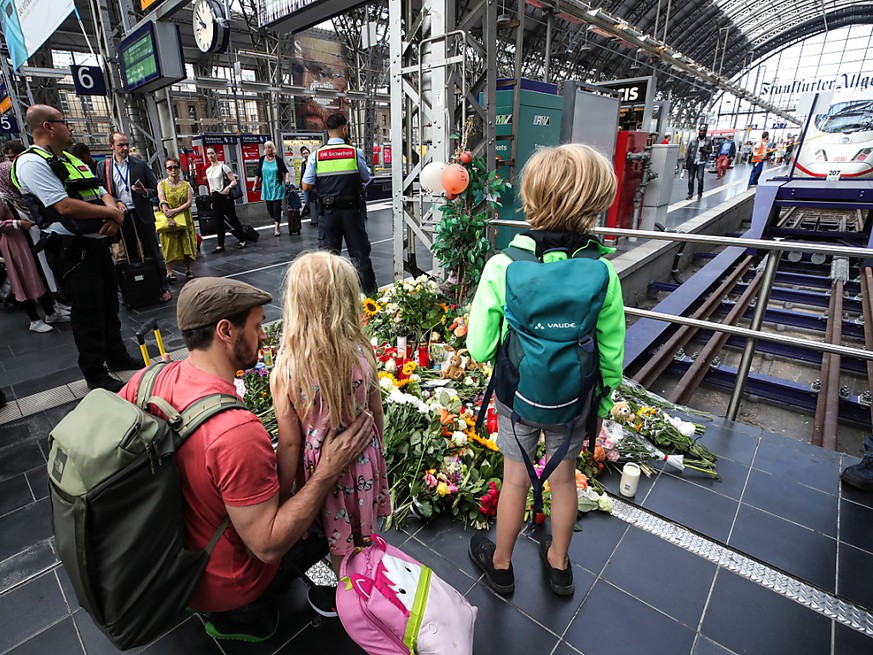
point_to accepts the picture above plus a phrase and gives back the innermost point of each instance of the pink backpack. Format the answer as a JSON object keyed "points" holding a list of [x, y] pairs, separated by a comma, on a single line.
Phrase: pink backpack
{"points": [[391, 604]]}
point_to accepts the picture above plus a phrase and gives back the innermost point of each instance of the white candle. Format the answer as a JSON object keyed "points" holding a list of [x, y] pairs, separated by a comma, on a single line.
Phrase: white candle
{"points": [[401, 347], [630, 479]]}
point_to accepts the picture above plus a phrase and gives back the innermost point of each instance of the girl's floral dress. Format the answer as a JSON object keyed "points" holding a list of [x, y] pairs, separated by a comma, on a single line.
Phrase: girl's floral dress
{"points": [[360, 496]]}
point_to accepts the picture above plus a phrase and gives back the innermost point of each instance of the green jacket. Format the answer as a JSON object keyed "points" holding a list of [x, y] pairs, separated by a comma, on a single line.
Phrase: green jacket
{"points": [[486, 316]]}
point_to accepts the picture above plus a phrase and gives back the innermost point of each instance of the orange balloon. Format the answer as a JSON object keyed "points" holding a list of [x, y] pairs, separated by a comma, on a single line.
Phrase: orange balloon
{"points": [[455, 179]]}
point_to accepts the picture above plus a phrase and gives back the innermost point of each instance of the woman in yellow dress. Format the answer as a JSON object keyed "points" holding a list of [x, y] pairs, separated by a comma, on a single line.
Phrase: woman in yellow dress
{"points": [[176, 196]]}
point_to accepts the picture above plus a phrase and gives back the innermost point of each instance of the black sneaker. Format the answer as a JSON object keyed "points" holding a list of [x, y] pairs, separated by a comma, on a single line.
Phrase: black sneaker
{"points": [[860, 475], [253, 624], [107, 382], [561, 581], [481, 550], [322, 599]]}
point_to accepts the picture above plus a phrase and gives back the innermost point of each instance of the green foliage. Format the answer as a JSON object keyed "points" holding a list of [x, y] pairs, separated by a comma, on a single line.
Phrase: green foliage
{"points": [[461, 242]]}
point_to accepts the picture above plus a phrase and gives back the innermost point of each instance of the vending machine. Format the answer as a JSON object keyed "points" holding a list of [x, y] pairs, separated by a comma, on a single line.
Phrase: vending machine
{"points": [[240, 152]]}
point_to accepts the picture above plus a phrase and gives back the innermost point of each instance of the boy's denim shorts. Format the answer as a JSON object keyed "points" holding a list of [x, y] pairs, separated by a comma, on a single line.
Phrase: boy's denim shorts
{"points": [[529, 436]]}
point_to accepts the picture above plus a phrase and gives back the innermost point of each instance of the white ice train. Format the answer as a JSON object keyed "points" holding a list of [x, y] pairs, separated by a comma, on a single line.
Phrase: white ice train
{"points": [[839, 143]]}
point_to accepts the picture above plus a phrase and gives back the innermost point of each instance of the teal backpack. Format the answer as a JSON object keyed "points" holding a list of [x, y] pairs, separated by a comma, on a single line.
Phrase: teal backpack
{"points": [[547, 369]]}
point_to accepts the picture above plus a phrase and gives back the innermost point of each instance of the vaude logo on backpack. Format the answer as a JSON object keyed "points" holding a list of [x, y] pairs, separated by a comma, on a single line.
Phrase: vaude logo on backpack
{"points": [[117, 508]]}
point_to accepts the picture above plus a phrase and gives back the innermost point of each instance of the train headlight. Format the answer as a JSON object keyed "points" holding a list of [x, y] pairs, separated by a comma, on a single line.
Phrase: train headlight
{"points": [[863, 154], [820, 155]]}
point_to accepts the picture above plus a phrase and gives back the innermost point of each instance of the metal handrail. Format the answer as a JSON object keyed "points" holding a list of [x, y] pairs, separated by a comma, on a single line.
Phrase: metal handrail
{"points": [[776, 247], [775, 244], [818, 346]]}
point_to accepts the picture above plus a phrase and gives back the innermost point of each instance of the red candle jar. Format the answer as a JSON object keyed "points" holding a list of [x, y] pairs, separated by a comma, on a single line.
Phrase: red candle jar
{"points": [[398, 363], [491, 423], [423, 357]]}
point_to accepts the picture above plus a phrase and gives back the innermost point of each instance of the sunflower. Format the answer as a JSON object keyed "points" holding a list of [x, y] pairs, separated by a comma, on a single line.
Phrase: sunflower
{"points": [[409, 368], [371, 307]]}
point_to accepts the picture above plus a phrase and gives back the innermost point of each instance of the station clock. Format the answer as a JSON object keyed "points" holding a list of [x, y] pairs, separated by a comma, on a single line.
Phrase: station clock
{"points": [[211, 31]]}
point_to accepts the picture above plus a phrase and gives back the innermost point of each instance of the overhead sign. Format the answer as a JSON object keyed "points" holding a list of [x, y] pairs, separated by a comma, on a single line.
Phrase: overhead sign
{"points": [[27, 24], [88, 80], [636, 102], [298, 15], [8, 125], [5, 100], [151, 57]]}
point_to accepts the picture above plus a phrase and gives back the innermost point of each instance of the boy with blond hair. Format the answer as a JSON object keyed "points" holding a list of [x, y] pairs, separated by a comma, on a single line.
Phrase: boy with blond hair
{"points": [[563, 191]]}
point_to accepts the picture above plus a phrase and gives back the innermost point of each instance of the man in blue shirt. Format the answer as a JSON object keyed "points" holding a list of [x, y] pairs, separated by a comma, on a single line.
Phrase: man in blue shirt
{"points": [[337, 171]]}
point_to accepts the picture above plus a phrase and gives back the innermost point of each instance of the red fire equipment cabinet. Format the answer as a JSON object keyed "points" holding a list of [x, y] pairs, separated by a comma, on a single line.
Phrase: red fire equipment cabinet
{"points": [[629, 175]]}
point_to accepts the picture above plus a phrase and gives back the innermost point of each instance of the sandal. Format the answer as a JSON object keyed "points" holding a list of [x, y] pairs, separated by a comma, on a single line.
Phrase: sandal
{"points": [[189, 275], [166, 296], [219, 249], [276, 232]]}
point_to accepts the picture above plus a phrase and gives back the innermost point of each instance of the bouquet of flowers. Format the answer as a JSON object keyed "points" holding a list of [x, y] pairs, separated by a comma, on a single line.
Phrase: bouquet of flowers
{"points": [[408, 308]]}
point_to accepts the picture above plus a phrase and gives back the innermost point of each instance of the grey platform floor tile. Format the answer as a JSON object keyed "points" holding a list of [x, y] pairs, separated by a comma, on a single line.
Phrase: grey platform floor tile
{"points": [[45, 400], [663, 575], [59, 638], [27, 563], [631, 626], [503, 629], [748, 618], [28, 609], [797, 550], [24, 528]]}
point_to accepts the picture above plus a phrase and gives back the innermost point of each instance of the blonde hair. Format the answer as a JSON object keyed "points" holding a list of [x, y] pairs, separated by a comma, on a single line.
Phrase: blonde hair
{"points": [[321, 339], [565, 188]]}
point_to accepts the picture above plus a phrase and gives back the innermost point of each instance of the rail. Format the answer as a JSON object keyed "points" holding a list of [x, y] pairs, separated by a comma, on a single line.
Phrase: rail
{"points": [[775, 247]]}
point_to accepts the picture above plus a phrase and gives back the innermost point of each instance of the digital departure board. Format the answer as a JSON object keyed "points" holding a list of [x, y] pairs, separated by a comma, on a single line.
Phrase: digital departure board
{"points": [[151, 58]]}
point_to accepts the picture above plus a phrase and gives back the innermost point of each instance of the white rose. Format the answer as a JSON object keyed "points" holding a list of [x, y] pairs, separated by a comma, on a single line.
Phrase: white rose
{"points": [[459, 439], [390, 366], [469, 381], [415, 377], [386, 384]]}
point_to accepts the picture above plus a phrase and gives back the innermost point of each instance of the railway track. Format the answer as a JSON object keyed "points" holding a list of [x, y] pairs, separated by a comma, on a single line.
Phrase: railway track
{"points": [[816, 297]]}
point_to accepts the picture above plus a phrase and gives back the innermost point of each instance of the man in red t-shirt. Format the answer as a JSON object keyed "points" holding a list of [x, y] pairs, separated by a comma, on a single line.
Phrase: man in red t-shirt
{"points": [[228, 466]]}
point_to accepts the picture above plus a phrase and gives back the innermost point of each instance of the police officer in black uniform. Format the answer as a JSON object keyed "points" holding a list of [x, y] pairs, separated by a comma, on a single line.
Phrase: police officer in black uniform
{"points": [[337, 171]]}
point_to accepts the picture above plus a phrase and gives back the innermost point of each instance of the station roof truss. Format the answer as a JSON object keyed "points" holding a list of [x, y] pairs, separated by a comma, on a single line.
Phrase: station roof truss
{"points": [[723, 36]]}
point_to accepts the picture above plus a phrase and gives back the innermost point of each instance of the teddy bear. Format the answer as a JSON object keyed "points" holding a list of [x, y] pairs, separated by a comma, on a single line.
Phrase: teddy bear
{"points": [[455, 370], [621, 412]]}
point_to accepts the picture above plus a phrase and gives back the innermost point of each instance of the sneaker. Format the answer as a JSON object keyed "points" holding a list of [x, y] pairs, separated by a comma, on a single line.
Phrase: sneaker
{"points": [[39, 326], [561, 581], [242, 244], [107, 382], [481, 550], [57, 317], [62, 309], [322, 599], [252, 624], [860, 475]]}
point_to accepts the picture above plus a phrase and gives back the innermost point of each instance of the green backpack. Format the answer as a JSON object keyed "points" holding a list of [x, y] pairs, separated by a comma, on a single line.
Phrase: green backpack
{"points": [[547, 368], [116, 503]]}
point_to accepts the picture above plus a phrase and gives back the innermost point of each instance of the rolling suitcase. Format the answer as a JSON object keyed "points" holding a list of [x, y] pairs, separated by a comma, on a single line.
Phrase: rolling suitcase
{"points": [[293, 218], [251, 234], [205, 219], [139, 281]]}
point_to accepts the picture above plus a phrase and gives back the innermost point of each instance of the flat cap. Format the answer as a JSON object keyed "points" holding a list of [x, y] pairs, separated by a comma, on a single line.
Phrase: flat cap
{"points": [[207, 300]]}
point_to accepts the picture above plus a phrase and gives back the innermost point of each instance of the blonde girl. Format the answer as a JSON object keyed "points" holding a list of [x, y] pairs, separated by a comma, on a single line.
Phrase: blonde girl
{"points": [[325, 375]]}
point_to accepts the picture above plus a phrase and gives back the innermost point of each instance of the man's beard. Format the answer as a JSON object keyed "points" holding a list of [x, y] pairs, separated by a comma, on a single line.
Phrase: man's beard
{"points": [[243, 359]]}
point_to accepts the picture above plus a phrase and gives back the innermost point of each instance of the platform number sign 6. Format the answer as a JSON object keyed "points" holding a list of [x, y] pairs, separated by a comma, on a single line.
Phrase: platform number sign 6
{"points": [[88, 80], [8, 124]]}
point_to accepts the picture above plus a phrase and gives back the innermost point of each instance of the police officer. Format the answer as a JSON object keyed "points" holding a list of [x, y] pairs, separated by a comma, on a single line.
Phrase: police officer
{"points": [[81, 219], [336, 171]]}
